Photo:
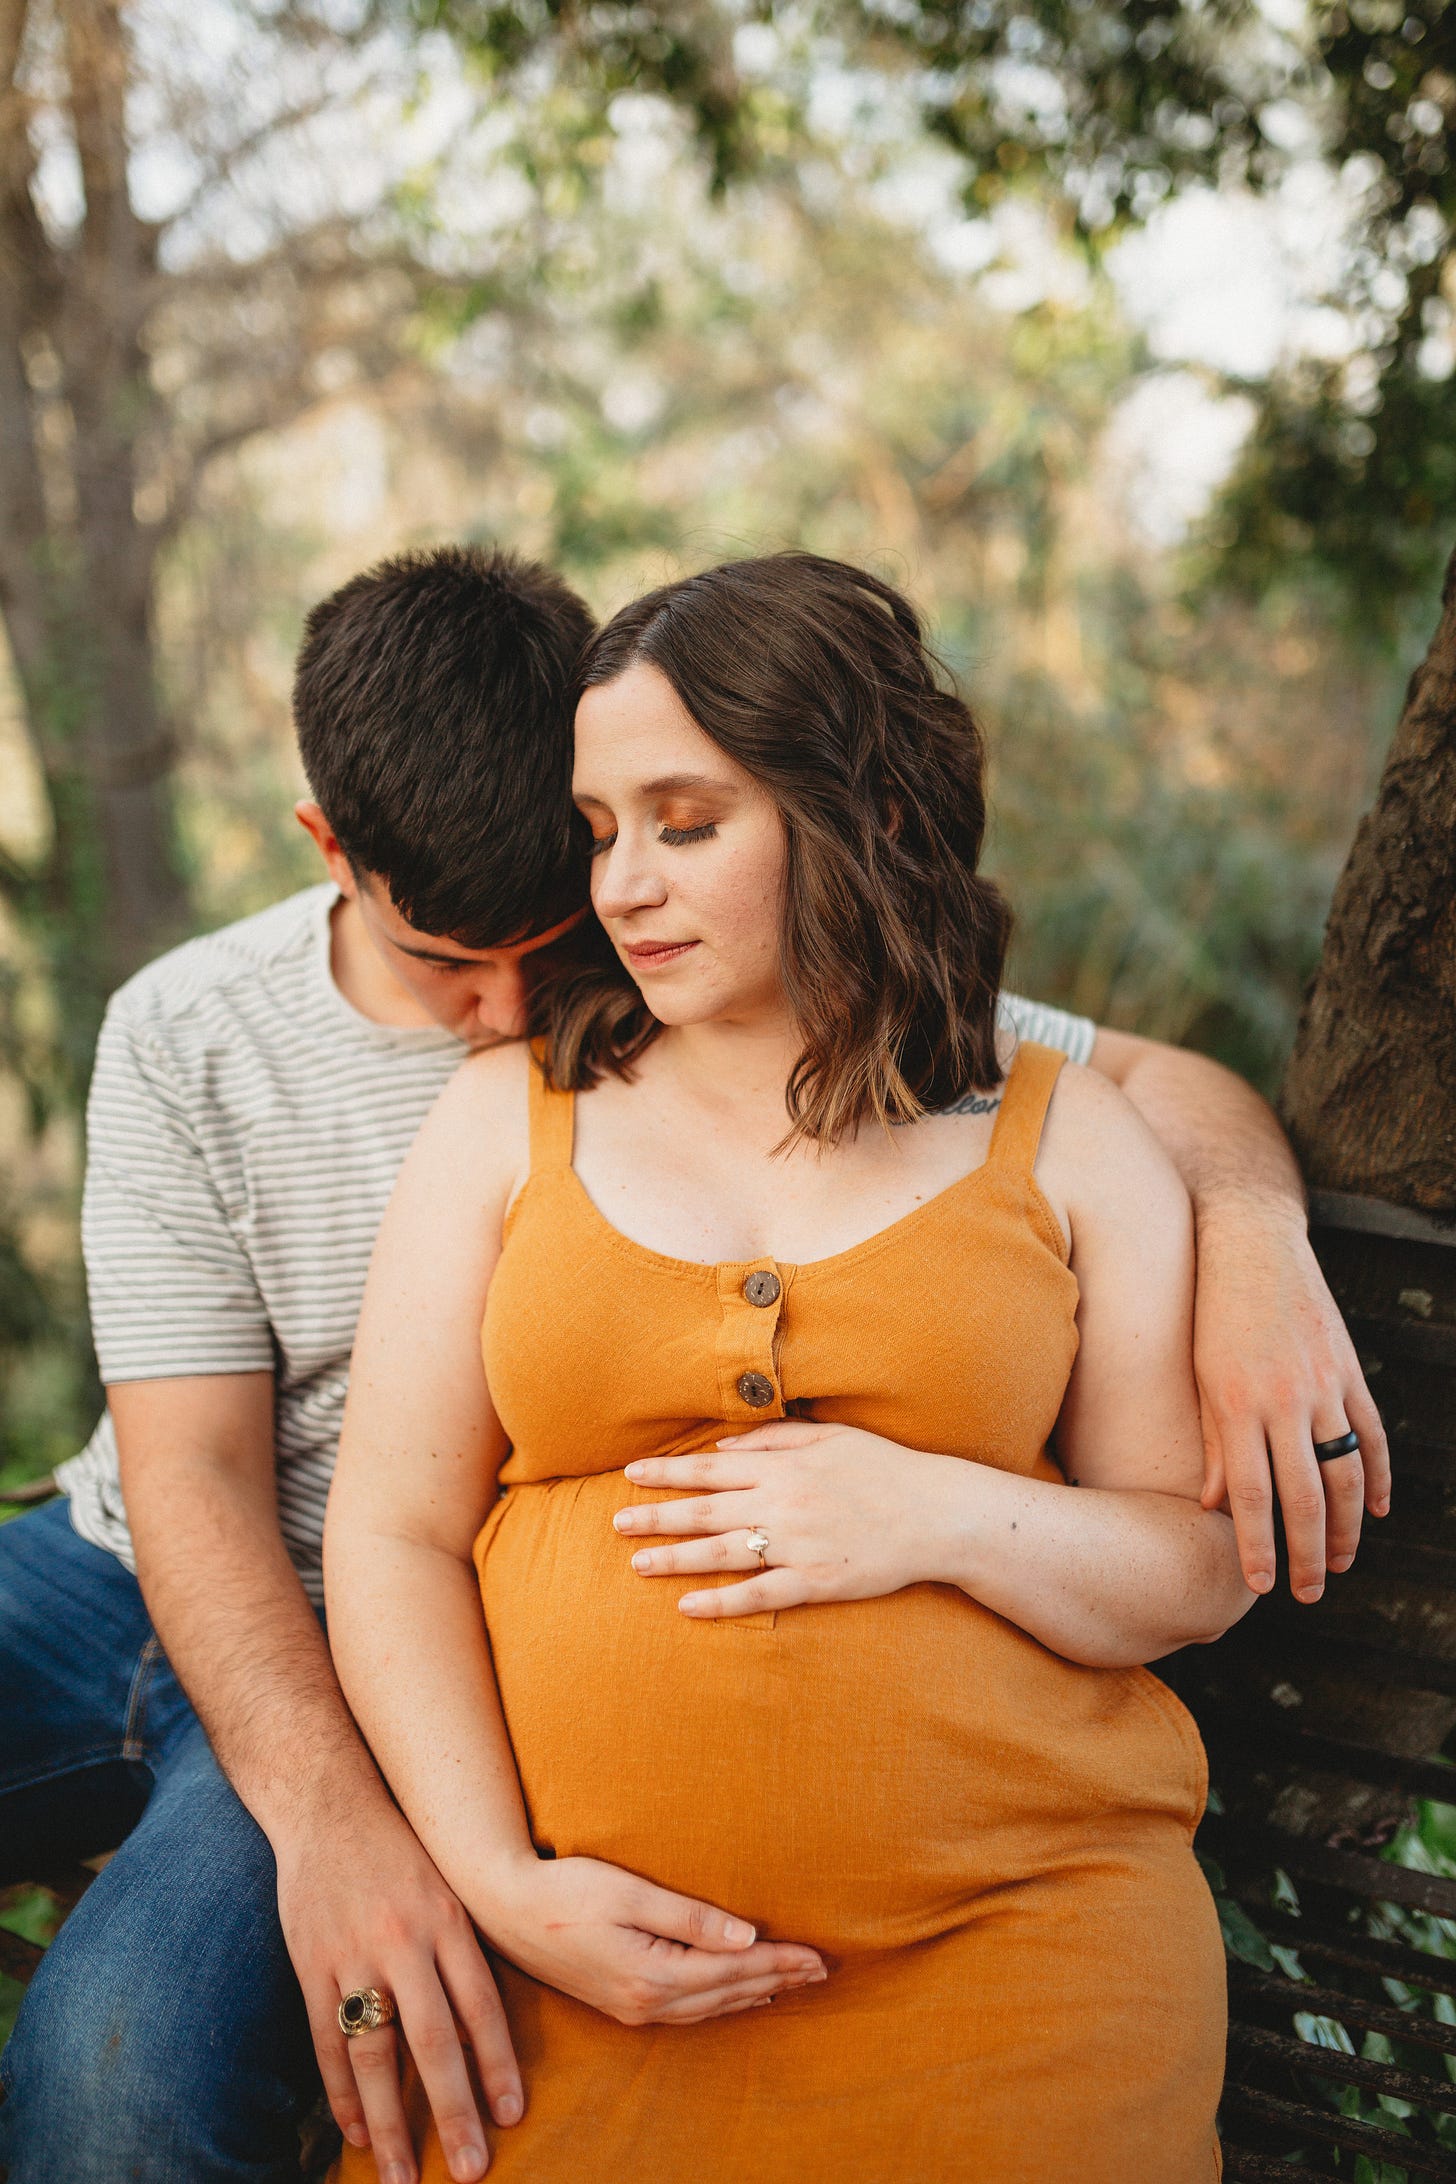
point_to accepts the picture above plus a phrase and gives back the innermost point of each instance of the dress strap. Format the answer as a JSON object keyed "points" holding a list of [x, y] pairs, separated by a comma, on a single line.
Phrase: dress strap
{"points": [[1025, 1098], [552, 1117]]}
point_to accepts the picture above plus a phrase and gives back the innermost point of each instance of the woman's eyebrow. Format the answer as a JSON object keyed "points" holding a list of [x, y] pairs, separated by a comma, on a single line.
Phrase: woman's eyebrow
{"points": [[672, 784], [675, 784]]}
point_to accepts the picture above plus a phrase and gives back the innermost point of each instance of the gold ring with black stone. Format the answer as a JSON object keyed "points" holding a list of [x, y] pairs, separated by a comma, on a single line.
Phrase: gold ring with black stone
{"points": [[364, 2009]]}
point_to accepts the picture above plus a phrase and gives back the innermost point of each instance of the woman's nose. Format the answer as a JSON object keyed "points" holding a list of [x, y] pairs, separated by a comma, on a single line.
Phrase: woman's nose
{"points": [[625, 880]]}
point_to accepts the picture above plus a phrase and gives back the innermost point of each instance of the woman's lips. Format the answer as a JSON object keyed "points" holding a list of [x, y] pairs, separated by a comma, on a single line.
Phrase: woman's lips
{"points": [[651, 955]]}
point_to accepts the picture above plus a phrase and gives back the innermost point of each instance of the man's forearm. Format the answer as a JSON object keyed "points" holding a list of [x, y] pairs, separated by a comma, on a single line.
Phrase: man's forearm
{"points": [[358, 1899], [1277, 1372], [1223, 1138], [232, 1615]]}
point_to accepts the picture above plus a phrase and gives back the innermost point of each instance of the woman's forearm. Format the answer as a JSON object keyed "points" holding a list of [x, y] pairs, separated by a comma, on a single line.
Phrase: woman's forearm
{"points": [[1108, 1575], [1112, 1577], [415, 1663], [412, 1655]]}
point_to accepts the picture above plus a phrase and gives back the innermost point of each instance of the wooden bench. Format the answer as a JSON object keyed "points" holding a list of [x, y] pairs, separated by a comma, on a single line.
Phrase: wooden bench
{"points": [[1325, 1729]]}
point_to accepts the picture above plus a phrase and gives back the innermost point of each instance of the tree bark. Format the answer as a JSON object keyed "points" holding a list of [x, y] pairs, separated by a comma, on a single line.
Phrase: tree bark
{"points": [[1369, 1096], [76, 564], [1296, 1699], [125, 753]]}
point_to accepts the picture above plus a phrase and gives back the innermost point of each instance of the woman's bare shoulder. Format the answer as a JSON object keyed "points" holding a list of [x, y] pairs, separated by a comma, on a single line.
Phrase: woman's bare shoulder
{"points": [[477, 1134], [493, 1081], [1099, 1158]]}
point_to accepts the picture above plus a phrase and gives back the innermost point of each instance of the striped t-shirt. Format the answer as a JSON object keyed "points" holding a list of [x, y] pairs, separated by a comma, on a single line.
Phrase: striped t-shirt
{"points": [[244, 1131]]}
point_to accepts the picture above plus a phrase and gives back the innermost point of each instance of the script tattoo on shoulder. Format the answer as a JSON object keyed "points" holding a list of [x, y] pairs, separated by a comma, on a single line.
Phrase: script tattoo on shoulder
{"points": [[974, 1103], [971, 1103]]}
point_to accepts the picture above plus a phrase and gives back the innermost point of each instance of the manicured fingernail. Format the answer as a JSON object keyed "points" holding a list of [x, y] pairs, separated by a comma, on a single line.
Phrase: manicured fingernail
{"points": [[467, 2164], [398, 2172], [357, 2134], [1308, 1593], [509, 2108], [1382, 1508], [623, 1520], [632, 1471], [642, 1560], [1341, 1562], [739, 1934], [1260, 1580]]}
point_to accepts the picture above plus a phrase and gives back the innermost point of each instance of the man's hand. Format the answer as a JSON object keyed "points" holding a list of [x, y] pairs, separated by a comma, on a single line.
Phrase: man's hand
{"points": [[1276, 1373], [1276, 1369], [636, 1952], [362, 1906]]}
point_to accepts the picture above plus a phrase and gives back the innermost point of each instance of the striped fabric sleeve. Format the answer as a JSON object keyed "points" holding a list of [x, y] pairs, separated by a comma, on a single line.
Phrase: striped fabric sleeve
{"points": [[171, 1289], [1039, 1021]]}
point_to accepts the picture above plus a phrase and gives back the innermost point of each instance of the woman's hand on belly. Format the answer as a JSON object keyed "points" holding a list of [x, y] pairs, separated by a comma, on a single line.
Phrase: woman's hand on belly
{"points": [[641, 1954], [847, 1515], [1110, 1577]]}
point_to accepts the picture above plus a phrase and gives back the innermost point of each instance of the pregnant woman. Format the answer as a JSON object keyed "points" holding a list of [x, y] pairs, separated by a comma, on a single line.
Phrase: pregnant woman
{"points": [[888, 1328]]}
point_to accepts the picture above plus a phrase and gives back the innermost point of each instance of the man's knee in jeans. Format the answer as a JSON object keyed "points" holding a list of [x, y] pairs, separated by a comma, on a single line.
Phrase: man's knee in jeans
{"points": [[163, 2039]]}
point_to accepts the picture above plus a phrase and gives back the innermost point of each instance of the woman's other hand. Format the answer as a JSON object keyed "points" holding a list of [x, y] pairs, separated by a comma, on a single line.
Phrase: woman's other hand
{"points": [[641, 1954], [847, 1514]]}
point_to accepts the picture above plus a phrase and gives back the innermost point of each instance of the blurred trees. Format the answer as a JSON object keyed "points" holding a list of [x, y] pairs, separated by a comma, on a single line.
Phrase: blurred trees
{"points": [[1110, 108], [159, 303]]}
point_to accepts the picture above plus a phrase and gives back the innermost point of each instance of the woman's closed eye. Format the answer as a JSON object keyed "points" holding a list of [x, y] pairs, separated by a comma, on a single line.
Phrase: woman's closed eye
{"points": [[674, 837]]}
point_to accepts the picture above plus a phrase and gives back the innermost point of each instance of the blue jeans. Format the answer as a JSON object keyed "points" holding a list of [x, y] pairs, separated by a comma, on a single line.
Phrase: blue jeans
{"points": [[163, 2039]]}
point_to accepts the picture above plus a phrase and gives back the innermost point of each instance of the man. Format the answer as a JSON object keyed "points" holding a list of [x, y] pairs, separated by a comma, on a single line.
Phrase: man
{"points": [[254, 1094]]}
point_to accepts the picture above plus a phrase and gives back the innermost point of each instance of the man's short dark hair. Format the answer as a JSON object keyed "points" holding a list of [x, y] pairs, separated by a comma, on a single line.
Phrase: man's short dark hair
{"points": [[432, 702]]}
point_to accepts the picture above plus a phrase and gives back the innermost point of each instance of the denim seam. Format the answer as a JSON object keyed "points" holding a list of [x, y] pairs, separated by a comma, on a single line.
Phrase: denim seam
{"points": [[100, 1755], [132, 1741]]}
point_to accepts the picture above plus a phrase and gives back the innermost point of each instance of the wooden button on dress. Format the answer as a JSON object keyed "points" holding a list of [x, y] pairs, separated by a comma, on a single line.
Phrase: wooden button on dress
{"points": [[755, 1389], [763, 1288]]}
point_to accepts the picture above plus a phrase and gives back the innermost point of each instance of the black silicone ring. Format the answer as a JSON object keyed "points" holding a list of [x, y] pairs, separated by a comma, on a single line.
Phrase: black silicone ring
{"points": [[1327, 1452]]}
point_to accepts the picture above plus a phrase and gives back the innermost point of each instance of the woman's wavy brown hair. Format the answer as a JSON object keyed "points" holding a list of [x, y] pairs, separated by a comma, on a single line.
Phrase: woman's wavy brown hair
{"points": [[815, 679]]}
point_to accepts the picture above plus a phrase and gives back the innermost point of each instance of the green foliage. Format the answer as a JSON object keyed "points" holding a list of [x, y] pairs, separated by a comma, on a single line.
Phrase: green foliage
{"points": [[31, 1913], [49, 1396], [1366, 511], [1428, 1845], [1112, 108]]}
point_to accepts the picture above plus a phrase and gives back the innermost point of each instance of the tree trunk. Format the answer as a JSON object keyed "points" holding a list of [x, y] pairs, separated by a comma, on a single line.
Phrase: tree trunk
{"points": [[76, 564], [1322, 1720], [1370, 1093], [1327, 1726]]}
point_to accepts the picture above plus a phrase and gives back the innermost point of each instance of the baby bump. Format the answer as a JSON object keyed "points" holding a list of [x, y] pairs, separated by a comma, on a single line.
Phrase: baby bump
{"points": [[852, 1775]]}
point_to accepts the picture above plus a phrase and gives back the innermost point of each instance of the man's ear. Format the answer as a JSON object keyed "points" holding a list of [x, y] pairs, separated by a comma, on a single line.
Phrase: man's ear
{"points": [[311, 818]]}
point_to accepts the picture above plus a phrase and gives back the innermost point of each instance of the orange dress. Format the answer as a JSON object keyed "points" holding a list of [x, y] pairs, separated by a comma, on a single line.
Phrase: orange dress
{"points": [[989, 1844]]}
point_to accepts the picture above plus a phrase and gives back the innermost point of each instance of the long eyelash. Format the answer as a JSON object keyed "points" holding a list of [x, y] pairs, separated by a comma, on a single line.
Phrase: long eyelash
{"points": [[601, 843], [676, 836]]}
